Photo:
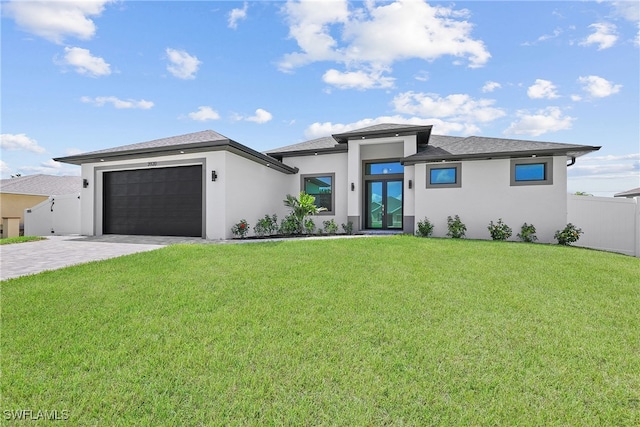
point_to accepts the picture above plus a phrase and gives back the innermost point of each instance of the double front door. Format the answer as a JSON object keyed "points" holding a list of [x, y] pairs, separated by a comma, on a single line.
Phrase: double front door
{"points": [[383, 204]]}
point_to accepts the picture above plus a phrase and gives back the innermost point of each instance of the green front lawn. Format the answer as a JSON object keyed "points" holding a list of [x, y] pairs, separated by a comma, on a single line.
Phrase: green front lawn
{"points": [[20, 239], [364, 331]]}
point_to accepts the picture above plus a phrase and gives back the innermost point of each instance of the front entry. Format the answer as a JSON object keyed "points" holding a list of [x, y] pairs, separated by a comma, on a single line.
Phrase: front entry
{"points": [[383, 206]]}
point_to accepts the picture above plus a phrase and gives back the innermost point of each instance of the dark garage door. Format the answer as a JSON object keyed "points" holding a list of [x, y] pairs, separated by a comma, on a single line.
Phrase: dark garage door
{"points": [[153, 202]]}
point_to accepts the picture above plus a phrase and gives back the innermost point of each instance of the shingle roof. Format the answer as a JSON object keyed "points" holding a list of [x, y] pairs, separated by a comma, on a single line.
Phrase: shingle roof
{"points": [[173, 141], [634, 192], [386, 129], [450, 148], [439, 147], [41, 185], [324, 143], [337, 142], [203, 141]]}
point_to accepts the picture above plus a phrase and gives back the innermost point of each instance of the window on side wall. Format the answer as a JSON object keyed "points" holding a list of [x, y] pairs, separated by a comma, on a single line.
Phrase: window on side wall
{"points": [[321, 187], [532, 171], [444, 175]]}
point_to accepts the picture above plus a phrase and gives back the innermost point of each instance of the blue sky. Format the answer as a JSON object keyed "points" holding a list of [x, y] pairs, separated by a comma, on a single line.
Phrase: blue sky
{"points": [[81, 76]]}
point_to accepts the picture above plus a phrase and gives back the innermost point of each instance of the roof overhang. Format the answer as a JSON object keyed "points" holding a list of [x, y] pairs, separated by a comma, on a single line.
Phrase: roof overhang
{"points": [[422, 132], [199, 147], [338, 148], [416, 158]]}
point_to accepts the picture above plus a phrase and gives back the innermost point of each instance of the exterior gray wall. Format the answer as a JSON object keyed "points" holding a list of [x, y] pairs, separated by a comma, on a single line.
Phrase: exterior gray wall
{"points": [[486, 195], [324, 164], [378, 149], [251, 191]]}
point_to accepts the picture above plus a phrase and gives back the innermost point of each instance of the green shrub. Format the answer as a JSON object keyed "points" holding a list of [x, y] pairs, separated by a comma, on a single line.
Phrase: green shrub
{"points": [[330, 227], [499, 230], [425, 228], [527, 233], [456, 227], [568, 235], [240, 229], [348, 227], [266, 226], [309, 226], [302, 207], [289, 225]]}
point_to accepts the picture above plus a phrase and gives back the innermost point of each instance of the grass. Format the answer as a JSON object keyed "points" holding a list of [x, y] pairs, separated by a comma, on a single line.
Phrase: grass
{"points": [[21, 239], [366, 331]]}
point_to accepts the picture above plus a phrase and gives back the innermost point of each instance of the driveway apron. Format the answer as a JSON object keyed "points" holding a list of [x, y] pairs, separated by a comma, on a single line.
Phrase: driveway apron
{"points": [[21, 259]]}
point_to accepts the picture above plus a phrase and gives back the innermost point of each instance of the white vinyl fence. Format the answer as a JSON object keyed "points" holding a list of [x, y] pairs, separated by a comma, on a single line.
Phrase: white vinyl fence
{"points": [[610, 224], [57, 216]]}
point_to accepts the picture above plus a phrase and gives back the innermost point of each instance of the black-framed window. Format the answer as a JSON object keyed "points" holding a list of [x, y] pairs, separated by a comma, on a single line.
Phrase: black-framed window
{"points": [[444, 175], [532, 171], [320, 186]]}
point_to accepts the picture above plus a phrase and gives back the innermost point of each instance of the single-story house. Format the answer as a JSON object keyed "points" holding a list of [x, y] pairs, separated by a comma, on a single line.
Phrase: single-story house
{"points": [[23, 192], [382, 177]]}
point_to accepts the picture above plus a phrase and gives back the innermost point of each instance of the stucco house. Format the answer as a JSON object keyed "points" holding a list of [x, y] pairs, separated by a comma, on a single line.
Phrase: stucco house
{"points": [[382, 177]]}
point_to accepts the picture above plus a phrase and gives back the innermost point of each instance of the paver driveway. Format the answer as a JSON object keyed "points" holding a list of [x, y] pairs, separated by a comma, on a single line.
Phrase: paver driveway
{"points": [[21, 259]]}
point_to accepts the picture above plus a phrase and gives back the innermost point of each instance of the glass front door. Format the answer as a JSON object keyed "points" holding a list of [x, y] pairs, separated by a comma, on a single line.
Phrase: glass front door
{"points": [[384, 204]]}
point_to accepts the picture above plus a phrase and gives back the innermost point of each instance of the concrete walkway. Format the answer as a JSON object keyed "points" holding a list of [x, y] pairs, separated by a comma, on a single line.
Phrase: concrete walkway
{"points": [[21, 259]]}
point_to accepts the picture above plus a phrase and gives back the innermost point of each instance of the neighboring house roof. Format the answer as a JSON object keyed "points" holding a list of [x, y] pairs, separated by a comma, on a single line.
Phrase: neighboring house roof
{"points": [[207, 140], [41, 185], [634, 192]]}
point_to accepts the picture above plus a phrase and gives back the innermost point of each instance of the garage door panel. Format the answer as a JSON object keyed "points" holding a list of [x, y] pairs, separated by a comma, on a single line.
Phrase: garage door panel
{"points": [[160, 201]]}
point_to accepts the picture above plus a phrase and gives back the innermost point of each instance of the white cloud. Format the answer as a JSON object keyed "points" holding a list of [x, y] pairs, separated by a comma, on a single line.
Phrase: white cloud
{"points": [[598, 87], [51, 167], [4, 168], [309, 26], [261, 116], [182, 65], [56, 20], [317, 130], [376, 35], [550, 119], [604, 36], [422, 76], [612, 157], [629, 10], [542, 89], [357, 79], [605, 169], [117, 103], [203, 114], [491, 86], [237, 14], [20, 141], [85, 63], [456, 107], [545, 37]]}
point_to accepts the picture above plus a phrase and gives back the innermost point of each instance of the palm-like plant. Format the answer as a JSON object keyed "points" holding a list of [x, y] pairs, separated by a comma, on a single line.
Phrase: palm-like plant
{"points": [[302, 207]]}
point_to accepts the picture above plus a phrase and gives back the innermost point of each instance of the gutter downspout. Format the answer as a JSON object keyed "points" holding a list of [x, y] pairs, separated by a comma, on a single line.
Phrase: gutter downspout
{"points": [[573, 161]]}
